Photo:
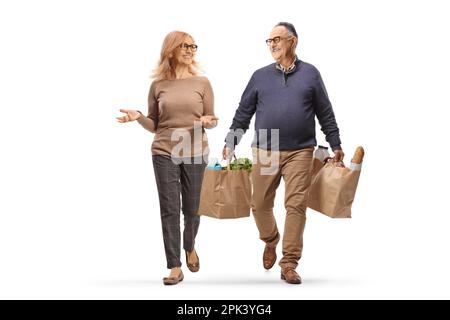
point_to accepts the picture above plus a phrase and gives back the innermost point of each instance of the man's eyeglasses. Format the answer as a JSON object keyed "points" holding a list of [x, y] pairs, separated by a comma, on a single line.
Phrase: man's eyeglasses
{"points": [[186, 46], [276, 40]]}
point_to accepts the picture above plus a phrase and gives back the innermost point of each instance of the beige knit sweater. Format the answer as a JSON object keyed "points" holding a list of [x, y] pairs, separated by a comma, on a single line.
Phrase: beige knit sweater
{"points": [[175, 106]]}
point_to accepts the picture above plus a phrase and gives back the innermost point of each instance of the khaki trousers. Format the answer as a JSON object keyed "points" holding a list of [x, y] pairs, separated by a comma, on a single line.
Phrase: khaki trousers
{"points": [[268, 169]]}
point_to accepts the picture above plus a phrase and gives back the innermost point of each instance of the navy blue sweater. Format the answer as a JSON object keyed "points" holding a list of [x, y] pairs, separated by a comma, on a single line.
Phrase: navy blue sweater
{"points": [[288, 102]]}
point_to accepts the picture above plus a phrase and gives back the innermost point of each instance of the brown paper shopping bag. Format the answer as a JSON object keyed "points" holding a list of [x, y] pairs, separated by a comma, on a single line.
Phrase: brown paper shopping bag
{"points": [[333, 188], [226, 194]]}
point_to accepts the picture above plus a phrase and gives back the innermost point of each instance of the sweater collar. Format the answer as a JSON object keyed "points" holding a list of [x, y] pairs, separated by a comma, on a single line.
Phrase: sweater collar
{"points": [[289, 69]]}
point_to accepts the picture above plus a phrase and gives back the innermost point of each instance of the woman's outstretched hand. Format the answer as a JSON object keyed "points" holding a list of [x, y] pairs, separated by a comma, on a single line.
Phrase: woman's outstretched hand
{"points": [[130, 115], [209, 121]]}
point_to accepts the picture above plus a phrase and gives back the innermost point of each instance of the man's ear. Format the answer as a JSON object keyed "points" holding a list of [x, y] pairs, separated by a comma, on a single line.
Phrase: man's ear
{"points": [[294, 43], [294, 46]]}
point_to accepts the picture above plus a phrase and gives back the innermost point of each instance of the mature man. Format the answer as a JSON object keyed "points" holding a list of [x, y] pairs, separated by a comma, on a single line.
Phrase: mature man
{"points": [[286, 96]]}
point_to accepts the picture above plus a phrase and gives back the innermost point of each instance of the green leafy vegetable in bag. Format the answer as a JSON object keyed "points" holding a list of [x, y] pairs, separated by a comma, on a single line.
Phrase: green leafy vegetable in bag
{"points": [[240, 164]]}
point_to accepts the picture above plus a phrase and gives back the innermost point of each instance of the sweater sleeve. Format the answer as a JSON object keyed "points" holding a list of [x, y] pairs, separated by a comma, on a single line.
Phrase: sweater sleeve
{"points": [[153, 105], [325, 114], [243, 115], [208, 99]]}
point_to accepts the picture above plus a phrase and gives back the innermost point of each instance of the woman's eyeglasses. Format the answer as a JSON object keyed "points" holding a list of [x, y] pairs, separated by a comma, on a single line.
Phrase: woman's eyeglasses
{"points": [[185, 47]]}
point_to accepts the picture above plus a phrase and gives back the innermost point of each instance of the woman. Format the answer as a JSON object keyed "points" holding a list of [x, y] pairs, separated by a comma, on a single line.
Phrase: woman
{"points": [[180, 105]]}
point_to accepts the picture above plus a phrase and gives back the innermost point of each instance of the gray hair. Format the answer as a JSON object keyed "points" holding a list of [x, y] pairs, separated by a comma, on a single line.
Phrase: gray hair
{"points": [[290, 28]]}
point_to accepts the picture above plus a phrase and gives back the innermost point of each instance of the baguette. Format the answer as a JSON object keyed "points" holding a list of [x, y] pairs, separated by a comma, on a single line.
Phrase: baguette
{"points": [[358, 156]]}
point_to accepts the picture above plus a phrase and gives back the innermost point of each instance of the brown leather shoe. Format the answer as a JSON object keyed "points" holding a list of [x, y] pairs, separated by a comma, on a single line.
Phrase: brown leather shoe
{"points": [[195, 266], [290, 276], [269, 257], [173, 280]]}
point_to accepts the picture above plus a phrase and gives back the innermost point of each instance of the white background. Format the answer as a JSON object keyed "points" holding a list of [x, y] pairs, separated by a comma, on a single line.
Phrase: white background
{"points": [[79, 213]]}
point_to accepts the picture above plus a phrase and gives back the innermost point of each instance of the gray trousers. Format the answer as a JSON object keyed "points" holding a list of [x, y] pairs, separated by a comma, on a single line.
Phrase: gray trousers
{"points": [[172, 181]]}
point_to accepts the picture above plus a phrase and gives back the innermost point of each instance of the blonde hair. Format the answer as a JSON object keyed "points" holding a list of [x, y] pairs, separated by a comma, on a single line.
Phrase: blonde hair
{"points": [[166, 65]]}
